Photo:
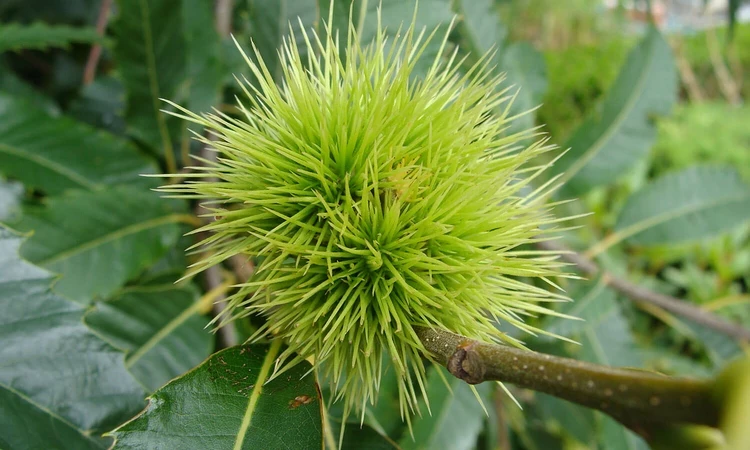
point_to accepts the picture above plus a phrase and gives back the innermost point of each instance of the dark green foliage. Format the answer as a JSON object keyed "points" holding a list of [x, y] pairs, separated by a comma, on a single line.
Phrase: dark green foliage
{"points": [[36, 148], [55, 371], [40, 36], [150, 50], [160, 327], [76, 234], [456, 417]]}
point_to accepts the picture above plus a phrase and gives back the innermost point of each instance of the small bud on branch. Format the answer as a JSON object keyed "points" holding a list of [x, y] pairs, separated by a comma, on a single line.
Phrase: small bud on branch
{"points": [[639, 399]]}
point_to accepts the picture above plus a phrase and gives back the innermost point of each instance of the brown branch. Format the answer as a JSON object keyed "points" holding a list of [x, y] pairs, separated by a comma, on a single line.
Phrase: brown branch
{"points": [[692, 87], [212, 276], [727, 84], [640, 294], [224, 17], [503, 438], [89, 71], [227, 335], [643, 401], [736, 65]]}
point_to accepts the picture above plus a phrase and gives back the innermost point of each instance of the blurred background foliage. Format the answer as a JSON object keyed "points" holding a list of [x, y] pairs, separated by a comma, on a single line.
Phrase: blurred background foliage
{"points": [[568, 56]]}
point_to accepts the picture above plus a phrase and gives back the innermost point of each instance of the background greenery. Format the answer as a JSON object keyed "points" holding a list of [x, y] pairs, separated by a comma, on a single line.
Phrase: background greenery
{"points": [[90, 318]]}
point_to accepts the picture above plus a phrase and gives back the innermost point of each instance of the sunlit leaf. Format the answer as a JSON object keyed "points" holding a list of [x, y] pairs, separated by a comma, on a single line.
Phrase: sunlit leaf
{"points": [[228, 402]]}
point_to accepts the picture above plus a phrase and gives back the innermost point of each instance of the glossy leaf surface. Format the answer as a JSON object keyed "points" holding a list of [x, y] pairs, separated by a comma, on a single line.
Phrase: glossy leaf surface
{"points": [[228, 402], [60, 385]]}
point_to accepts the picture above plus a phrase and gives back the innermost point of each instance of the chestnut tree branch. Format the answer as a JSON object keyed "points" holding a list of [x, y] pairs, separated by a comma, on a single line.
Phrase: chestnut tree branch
{"points": [[89, 71], [640, 294], [224, 17], [638, 399], [212, 275]]}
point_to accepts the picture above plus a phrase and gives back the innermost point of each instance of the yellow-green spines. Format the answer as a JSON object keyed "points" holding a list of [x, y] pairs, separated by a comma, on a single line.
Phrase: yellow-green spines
{"points": [[373, 201]]}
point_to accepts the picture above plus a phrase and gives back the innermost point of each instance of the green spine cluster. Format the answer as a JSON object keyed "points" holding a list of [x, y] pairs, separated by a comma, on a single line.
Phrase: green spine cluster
{"points": [[373, 202]]}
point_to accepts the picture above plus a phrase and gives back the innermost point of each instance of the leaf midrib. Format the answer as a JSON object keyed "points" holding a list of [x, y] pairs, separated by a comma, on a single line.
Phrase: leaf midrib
{"points": [[153, 81], [163, 332], [616, 124], [117, 234], [49, 164], [659, 219], [265, 369]]}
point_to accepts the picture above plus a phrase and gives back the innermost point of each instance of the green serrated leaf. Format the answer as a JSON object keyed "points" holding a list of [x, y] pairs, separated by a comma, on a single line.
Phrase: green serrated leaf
{"points": [[605, 339], [98, 240], [604, 333], [398, 14], [228, 402], [456, 417], [721, 349], [357, 435], [665, 361], [622, 131], [60, 385], [41, 36], [384, 415], [169, 267], [609, 340], [430, 14], [150, 53], [341, 9], [161, 328], [56, 153], [695, 203]]}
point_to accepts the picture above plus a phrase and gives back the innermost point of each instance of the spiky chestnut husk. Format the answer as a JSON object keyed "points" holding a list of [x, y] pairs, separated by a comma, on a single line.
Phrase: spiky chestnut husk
{"points": [[374, 202]]}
